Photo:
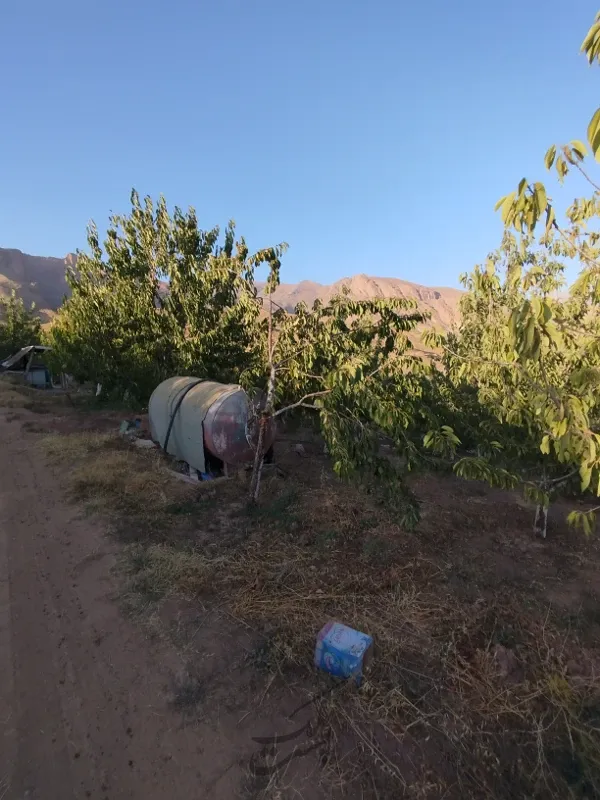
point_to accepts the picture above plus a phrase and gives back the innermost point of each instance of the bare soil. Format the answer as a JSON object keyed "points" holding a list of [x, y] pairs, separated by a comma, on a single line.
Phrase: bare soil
{"points": [[90, 705], [158, 637]]}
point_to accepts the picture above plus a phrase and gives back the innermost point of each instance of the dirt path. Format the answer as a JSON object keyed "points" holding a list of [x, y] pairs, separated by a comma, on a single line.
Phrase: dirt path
{"points": [[84, 696]]}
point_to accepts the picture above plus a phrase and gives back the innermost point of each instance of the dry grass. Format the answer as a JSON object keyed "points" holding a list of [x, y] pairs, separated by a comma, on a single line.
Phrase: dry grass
{"points": [[11, 394], [156, 572], [16, 394], [437, 713], [107, 471], [8, 379], [440, 714], [76, 446], [148, 509]]}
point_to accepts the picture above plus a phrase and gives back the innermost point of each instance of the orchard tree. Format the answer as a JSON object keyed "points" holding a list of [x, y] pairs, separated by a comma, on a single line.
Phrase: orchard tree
{"points": [[349, 366], [162, 298], [533, 355], [517, 382], [19, 326]]}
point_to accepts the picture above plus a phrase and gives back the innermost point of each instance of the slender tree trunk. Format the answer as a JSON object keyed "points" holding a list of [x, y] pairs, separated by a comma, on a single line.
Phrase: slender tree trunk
{"points": [[259, 458], [541, 511], [265, 418]]}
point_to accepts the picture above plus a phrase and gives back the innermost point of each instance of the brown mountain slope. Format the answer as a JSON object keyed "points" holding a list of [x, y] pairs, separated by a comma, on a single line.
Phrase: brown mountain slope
{"points": [[36, 279], [441, 303], [42, 280]]}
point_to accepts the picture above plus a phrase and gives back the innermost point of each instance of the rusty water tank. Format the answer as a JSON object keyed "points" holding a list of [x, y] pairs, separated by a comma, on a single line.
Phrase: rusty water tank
{"points": [[206, 415]]}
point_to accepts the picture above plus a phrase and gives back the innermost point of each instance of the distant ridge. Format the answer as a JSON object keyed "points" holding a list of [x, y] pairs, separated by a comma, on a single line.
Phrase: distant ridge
{"points": [[36, 279], [41, 280], [441, 303]]}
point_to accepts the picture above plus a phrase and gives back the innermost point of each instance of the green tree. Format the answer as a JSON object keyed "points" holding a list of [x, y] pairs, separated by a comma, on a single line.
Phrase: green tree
{"points": [[532, 354], [162, 298], [165, 298], [529, 388], [349, 368], [19, 326]]}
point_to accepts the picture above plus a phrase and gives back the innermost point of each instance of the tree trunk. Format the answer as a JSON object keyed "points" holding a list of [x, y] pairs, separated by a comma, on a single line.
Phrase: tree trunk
{"points": [[259, 458], [265, 419], [267, 414], [541, 527]]}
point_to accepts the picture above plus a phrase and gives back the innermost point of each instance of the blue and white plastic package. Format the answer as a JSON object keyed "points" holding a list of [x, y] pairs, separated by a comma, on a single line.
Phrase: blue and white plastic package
{"points": [[343, 651]]}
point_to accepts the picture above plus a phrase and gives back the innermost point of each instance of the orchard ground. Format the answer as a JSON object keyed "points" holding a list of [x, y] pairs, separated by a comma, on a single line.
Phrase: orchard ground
{"points": [[154, 631]]}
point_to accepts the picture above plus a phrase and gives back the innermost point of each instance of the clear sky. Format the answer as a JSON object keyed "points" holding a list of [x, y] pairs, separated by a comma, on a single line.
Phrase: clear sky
{"points": [[373, 137]]}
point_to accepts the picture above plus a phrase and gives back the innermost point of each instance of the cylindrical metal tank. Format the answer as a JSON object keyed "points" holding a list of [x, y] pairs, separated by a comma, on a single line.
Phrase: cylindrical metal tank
{"points": [[206, 415]]}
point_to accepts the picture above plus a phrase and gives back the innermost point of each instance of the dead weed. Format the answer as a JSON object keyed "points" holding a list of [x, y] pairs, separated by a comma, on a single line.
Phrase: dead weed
{"points": [[481, 698], [15, 394], [490, 698], [9, 397], [156, 572], [106, 470], [71, 448]]}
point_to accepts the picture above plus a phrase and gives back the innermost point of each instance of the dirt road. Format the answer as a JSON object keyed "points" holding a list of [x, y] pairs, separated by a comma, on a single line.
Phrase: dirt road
{"points": [[84, 695]]}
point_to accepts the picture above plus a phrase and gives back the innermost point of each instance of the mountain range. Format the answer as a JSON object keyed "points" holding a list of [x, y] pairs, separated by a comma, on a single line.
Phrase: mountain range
{"points": [[441, 303], [41, 280], [37, 279]]}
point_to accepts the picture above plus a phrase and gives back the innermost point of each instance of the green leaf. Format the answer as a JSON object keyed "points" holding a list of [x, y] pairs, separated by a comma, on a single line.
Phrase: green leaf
{"points": [[507, 206], [591, 43], [540, 197], [593, 133], [579, 147], [546, 312], [545, 445], [550, 217], [550, 156], [561, 168], [562, 428], [585, 473]]}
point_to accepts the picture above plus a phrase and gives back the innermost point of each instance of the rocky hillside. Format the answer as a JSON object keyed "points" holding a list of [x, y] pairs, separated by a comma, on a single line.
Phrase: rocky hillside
{"points": [[37, 279], [42, 280], [441, 303]]}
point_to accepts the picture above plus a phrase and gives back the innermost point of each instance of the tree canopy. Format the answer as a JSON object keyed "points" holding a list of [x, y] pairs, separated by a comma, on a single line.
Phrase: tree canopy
{"points": [[19, 326], [349, 365], [163, 297]]}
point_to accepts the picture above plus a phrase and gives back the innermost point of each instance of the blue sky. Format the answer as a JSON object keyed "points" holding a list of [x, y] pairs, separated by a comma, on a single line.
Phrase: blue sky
{"points": [[373, 137]]}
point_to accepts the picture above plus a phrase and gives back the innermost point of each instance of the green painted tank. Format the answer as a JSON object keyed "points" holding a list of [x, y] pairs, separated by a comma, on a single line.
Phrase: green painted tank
{"points": [[190, 415]]}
